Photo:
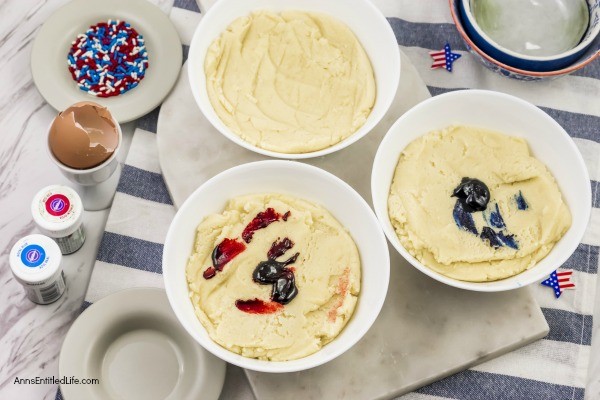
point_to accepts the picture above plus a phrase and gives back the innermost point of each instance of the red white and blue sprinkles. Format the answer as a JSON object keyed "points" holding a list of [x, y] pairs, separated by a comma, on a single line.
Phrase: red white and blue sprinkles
{"points": [[109, 59]]}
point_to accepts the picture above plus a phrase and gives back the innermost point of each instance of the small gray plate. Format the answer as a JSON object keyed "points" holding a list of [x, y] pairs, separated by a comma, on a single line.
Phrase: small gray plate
{"points": [[49, 55], [134, 345]]}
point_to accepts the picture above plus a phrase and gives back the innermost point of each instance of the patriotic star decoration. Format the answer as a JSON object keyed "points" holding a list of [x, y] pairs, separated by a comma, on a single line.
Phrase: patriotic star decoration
{"points": [[444, 58], [559, 281]]}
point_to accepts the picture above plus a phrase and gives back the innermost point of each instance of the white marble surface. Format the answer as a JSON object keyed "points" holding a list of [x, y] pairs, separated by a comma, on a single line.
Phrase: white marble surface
{"points": [[31, 335]]}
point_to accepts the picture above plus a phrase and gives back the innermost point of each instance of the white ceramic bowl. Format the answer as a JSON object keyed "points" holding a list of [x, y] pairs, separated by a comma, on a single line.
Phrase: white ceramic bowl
{"points": [[299, 180], [364, 19], [503, 113]]}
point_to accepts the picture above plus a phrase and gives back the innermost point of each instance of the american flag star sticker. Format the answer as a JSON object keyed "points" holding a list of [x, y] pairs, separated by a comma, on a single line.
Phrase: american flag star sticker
{"points": [[444, 58], [559, 281]]}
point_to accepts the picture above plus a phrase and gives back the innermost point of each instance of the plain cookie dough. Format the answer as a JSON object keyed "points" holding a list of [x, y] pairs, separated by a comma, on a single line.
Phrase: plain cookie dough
{"points": [[327, 277], [421, 209], [294, 82]]}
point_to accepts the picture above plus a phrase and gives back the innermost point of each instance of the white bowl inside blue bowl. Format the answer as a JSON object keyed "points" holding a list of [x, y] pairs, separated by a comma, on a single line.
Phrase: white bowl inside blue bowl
{"points": [[536, 41], [588, 57]]}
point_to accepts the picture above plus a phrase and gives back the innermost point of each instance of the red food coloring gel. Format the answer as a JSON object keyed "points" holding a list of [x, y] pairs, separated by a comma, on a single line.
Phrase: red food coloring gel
{"points": [[257, 306], [209, 273], [276, 273], [262, 220], [342, 290], [278, 248], [224, 252]]}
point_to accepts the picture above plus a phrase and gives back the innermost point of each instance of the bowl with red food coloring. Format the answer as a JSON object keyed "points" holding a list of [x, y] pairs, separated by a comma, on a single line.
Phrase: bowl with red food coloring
{"points": [[296, 180], [363, 18]]}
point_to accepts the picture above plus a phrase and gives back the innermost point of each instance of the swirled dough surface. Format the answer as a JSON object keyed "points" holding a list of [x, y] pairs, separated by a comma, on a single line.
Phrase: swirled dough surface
{"points": [[293, 82], [526, 214], [327, 273]]}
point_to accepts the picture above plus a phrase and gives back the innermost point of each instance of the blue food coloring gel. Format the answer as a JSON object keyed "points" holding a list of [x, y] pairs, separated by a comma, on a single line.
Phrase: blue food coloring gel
{"points": [[473, 193], [496, 219], [463, 219], [521, 202], [498, 239], [491, 236], [508, 240]]}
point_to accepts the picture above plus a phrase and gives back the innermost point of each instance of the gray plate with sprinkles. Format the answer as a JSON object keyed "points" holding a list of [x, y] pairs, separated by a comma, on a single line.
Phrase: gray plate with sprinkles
{"points": [[145, 84]]}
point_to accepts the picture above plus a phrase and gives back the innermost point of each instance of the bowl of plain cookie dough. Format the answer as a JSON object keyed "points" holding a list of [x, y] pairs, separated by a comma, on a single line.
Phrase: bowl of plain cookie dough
{"points": [[294, 79], [303, 226], [481, 190]]}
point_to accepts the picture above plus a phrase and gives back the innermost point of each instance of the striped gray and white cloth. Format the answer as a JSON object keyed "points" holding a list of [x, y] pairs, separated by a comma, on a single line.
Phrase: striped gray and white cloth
{"points": [[552, 368]]}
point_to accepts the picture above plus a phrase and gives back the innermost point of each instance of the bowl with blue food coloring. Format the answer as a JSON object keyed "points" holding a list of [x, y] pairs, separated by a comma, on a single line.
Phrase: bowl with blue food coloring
{"points": [[588, 56], [498, 112], [542, 35]]}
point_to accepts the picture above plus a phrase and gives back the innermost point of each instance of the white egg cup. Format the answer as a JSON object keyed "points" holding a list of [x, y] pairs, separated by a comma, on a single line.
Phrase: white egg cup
{"points": [[96, 186]]}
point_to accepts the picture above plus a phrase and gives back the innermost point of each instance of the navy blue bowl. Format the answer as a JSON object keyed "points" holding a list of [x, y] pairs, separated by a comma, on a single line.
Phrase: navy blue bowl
{"points": [[524, 62], [592, 53]]}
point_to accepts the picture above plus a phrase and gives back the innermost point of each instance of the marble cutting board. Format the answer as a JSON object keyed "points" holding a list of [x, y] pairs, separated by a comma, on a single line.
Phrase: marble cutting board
{"points": [[426, 330]]}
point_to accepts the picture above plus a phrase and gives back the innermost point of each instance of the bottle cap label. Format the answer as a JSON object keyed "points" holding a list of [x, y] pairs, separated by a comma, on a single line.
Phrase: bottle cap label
{"points": [[57, 205], [33, 255]]}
